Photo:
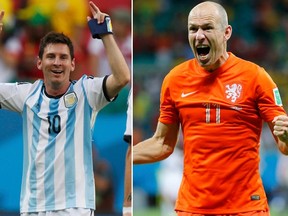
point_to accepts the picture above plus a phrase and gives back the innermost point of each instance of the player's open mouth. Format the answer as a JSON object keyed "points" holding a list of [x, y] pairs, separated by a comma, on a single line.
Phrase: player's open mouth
{"points": [[203, 50], [56, 71]]}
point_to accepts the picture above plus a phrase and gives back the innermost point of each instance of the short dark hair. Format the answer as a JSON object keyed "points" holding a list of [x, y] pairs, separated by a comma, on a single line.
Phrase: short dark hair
{"points": [[55, 38]]}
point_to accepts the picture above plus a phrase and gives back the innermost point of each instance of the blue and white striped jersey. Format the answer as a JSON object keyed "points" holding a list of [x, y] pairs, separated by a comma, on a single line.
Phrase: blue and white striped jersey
{"points": [[57, 133], [128, 130]]}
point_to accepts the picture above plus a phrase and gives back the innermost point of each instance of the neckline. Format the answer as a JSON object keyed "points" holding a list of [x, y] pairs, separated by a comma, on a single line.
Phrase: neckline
{"points": [[52, 96], [227, 64]]}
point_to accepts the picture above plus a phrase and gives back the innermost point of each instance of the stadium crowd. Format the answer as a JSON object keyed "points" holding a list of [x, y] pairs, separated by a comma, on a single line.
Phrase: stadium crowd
{"points": [[260, 34]]}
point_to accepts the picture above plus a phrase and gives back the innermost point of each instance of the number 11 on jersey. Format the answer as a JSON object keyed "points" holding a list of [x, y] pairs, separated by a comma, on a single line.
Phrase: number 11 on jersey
{"points": [[209, 109]]}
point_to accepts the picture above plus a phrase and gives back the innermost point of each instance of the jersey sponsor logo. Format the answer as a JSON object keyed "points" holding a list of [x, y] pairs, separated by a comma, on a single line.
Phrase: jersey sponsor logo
{"points": [[238, 108], [183, 95], [233, 92], [70, 99], [277, 97]]}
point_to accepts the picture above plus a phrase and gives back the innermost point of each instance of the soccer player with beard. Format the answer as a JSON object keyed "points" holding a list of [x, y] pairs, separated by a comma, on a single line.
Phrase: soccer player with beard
{"points": [[58, 118]]}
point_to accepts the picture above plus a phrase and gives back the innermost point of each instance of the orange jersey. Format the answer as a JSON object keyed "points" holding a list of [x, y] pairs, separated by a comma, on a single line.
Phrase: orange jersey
{"points": [[221, 116]]}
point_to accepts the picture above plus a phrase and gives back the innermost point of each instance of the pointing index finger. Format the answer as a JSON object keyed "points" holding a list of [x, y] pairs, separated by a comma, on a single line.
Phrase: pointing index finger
{"points": [[94, 7]]}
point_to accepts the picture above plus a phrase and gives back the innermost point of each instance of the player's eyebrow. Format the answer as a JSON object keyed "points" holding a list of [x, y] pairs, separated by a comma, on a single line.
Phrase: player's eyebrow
{"points": [[204, 25], [52, 54]]}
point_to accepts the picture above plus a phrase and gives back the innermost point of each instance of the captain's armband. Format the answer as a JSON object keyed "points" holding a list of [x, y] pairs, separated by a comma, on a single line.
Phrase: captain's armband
{"points": [[98, 29]]}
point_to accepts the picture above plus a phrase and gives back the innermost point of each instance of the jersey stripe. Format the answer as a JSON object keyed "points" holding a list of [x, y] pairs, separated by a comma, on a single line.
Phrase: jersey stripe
{"points": [[89, 194], [33, 152], [88, 120], [27, 142], [25, 156], [54, 127], [59, 168], [69, 155]]}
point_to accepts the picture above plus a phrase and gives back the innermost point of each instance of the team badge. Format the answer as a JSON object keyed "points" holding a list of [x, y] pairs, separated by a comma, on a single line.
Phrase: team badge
{"points": [[70, 99], [277, 97], [233, 92]]}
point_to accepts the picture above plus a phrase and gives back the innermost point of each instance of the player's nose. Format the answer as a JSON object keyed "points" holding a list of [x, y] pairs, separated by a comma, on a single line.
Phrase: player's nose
{"points": [[200, 34]]}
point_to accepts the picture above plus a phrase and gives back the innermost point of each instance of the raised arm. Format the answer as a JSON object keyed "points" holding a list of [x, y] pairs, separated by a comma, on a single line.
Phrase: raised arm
{"points": [[279, 127], [120, 70], [1, 20], [158, 147]]}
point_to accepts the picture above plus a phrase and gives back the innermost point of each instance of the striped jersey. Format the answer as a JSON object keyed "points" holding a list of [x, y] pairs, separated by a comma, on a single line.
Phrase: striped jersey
{"points": [[221, 115], [57, 138], [128, 130]]}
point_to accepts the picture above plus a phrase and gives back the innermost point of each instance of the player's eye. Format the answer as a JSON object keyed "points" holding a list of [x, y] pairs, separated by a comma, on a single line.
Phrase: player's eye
{"points": [[64, 57], [208, 28], [193, 29], [50, 56]]}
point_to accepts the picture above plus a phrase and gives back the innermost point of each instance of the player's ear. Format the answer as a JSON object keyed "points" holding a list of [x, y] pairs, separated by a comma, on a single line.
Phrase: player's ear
{"points": [[228, 32], [73, 64], [39, 63]]}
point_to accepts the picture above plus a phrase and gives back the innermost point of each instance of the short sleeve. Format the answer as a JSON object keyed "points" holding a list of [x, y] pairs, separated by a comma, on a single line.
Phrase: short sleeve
{"points": [[13, 95], [168, 111], [94, 91], [269, 99]]}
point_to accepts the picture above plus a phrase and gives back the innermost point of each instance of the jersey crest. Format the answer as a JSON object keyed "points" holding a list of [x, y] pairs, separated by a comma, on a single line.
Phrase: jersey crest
{"points": [[233, 92], [70, 99]]}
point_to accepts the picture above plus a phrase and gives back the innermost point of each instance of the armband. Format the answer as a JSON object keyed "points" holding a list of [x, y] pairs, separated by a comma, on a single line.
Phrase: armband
{"points": [[126, 210], [98, 29]]}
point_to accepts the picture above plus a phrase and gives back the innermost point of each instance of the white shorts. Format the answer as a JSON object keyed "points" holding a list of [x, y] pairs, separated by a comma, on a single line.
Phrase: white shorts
{"points": [[64, 212]]}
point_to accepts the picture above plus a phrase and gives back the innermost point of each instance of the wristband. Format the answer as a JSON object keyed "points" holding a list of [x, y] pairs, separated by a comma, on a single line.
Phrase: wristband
{"points": [[98, 29], [126, 210]]}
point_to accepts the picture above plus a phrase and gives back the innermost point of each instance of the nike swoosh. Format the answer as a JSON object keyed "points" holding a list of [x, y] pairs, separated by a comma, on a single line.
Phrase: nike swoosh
{"points": [[187, 94]]}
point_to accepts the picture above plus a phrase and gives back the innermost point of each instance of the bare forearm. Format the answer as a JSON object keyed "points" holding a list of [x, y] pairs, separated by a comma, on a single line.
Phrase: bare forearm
{"points": [[283, 147], [1, 23], [158, 147], [120, 70], [150, 150]]}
